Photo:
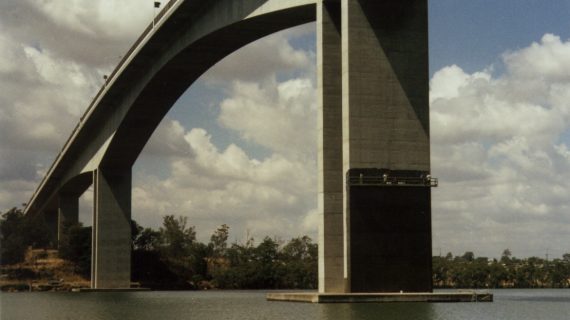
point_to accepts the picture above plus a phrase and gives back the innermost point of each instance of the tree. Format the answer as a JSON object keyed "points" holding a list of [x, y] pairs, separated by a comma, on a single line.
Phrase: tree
{"points": [[13, 246], [176, 237], [300, 264], [506, 256], [75, 246], [219, 241], [266, 257], [468, 256], [17, 232], [147, 240]]}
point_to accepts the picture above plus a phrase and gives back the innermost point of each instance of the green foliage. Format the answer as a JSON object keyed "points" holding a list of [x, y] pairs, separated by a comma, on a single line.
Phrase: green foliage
{"points": [[176, 237], [75, 246], [269, 266], [147, 240], [171, 258], [17, 232], [468, 271], [219, 241], [300, 256]]}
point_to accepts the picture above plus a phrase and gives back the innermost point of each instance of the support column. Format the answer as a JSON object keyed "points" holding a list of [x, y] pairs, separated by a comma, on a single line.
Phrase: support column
{"points": [[50, 217], [68, 214], [330, 187], [111, 247], [386, 126]]}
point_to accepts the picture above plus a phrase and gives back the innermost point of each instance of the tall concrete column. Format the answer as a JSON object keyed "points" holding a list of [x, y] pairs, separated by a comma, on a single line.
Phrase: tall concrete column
{"points": [[68, 214], [386, 125], [330, 186], [111, 242], [50, 217]]}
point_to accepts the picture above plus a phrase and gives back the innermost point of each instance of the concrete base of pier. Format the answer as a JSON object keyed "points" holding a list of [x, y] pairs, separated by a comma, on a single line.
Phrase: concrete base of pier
{"points": [[110, 290], [314, 297]]}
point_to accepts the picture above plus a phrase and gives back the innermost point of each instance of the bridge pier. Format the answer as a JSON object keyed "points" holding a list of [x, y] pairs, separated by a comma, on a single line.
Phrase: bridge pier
{"points": [[68, 214], [330, 187], [51, 220], [372, 71], [111, 240], [387, 228]]}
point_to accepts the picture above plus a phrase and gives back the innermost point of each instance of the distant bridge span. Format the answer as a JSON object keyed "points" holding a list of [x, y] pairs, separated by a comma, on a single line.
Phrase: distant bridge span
{"points": [[373, 113]]}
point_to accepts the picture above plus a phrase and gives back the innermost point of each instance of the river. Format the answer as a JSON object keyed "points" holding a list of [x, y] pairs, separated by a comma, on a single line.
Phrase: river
{"points": [[513, 304]]}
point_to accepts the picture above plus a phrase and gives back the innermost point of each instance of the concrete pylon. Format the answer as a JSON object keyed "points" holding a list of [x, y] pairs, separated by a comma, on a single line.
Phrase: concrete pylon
{"points": [[51, 220], [111, 240], [68, 214], [330, 187], [387, 227]]}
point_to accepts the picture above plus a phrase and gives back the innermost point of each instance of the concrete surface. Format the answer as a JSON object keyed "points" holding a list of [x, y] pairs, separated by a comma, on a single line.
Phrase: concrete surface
{"points": [[314, 297]]}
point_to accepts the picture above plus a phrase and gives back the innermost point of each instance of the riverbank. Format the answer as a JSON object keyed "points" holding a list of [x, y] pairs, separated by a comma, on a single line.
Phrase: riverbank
{"points": [[41, 270]]}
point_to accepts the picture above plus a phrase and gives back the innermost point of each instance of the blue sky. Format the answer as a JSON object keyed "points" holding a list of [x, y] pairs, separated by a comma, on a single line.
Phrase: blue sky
{"points": [[474, 34], [500, 83]]}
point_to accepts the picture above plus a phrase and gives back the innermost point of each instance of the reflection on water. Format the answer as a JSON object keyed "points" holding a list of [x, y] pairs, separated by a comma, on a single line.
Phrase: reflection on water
{"points": [[374, 311], [229, 305]]}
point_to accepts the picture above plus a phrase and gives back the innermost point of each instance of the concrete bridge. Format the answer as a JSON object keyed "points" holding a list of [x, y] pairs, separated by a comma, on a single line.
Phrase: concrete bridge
{"points": [[374, 154]]}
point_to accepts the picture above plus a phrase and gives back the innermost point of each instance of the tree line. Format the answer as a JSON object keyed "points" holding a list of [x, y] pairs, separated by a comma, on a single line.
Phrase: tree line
{"points": [[468, 271], [172, 258]]}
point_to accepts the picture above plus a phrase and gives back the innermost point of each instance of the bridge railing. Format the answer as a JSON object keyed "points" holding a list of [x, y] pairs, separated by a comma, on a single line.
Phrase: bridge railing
{"points": [[108, 80]]}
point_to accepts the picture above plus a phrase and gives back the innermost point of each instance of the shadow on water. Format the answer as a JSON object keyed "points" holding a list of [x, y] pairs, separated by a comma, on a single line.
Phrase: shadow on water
{"points": [[369, 311]]}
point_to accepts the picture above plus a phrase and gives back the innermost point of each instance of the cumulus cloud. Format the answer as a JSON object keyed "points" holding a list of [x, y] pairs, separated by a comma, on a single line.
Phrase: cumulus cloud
{"points": [[213, 186], [279, 116], [498, 148], [266, 57], [95, 33], [167, 140], [53, 55], [41, 102]]}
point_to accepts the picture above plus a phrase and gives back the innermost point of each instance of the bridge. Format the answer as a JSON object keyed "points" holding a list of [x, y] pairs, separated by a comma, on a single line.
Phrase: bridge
{"points": [[374, 195]]}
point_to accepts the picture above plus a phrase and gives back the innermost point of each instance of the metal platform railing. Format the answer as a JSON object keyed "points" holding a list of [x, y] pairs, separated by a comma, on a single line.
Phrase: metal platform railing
{"points": [[396, 181]]}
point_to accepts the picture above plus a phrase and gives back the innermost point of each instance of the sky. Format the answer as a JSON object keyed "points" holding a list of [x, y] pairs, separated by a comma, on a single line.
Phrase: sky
{"points": [[239, 147]]}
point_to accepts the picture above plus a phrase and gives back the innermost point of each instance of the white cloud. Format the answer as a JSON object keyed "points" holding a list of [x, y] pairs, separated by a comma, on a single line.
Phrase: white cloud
{"points": [[278, 116], [167, 140], [216, 186], [264, 58], [51, 65], [499, 151], [103, 19], [548, 60]]}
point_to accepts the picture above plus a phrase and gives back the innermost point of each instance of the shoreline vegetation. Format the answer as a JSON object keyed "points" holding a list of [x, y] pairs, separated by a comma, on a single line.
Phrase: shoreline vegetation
{"points": [[171, 258]]}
